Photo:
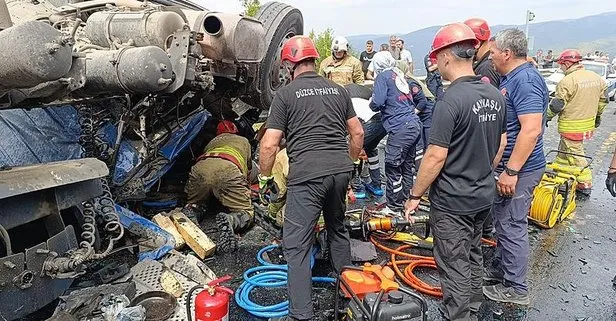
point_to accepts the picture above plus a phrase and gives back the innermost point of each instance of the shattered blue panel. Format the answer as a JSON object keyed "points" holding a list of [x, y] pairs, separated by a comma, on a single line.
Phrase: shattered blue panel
{"points": [[146, 230], [128, 156], [39, 135], [179, 140]]}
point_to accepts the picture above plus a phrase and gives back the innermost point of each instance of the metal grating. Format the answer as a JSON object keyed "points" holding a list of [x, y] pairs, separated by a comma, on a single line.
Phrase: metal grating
{"points": [[147, 275]]}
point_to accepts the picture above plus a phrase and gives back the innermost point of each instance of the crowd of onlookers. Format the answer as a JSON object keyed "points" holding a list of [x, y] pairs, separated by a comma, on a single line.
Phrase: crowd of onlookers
{"points": [[548, 60]]}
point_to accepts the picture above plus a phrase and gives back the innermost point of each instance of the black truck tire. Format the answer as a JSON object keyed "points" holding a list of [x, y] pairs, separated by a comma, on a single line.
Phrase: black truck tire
{"points": [[281, 22]]}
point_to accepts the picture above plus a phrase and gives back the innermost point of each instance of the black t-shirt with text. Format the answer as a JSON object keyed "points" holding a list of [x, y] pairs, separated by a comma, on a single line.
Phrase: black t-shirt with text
{"points": [[365, 59], [313, 112], [468, 120]]}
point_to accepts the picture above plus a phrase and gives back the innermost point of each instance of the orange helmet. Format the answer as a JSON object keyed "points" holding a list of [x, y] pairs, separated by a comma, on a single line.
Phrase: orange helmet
{"points": [[226, 127], [450, 35], [570, 55], [299, 48], [480, 28]]}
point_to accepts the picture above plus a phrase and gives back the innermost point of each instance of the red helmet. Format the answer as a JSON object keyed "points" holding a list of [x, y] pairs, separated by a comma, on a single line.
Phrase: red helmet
{"points": [[480, 28], [570, 55], [450, 35], [226, 127], [299, 48]]}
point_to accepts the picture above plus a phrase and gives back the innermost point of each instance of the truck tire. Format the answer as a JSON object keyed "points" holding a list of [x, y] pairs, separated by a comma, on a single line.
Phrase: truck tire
{"points": [[281, 22]]}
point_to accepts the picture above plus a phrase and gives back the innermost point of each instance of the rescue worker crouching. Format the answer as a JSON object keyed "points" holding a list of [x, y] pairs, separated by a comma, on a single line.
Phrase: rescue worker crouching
{"points": [[222, 172], [392, 98], [581, 97], [341, 67]]}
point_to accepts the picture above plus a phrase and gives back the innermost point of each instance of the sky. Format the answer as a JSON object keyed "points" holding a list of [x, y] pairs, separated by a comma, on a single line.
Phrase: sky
{"points": [[357, 17]]}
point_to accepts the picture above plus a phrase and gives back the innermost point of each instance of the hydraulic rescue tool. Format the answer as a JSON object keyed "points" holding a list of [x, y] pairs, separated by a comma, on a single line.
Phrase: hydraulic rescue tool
{"points": [[554, 197], [372, 221], [376, 296]]}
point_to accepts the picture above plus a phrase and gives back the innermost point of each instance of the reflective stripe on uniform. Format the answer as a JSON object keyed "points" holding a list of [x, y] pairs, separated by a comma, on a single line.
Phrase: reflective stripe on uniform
{"points": [[232, 152], [571, 126]]}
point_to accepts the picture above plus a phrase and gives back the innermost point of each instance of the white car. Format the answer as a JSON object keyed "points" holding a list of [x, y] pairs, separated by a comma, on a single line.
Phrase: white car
{"points": [[606, 71]]}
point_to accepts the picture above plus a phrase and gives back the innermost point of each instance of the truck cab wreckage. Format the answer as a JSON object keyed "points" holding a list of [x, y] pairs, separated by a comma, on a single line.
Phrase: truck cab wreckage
{"points": [[99, 100]]}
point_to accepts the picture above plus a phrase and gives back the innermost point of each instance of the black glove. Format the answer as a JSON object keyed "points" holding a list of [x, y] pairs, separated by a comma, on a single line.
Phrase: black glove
{"points": [[610, 182], [597, 121], [268, 190]]}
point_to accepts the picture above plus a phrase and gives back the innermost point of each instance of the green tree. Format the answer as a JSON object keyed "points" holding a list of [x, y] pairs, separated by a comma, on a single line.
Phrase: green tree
{"points": [[251, 7], [323, 42]]}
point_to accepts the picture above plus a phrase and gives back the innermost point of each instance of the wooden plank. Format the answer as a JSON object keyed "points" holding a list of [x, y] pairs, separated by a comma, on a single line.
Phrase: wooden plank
{"points": [[193, 235], [166, 224]]}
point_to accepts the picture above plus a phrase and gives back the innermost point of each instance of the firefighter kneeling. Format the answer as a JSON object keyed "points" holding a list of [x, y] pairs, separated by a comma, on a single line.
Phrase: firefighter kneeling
{"points": [[222, 172]]}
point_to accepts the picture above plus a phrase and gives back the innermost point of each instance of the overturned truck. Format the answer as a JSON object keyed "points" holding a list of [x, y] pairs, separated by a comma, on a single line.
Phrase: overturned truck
{"points": [[99, 100]]}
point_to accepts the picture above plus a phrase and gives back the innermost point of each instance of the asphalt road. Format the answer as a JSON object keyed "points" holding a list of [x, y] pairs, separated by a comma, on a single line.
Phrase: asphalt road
{"points": [[571, 265]]}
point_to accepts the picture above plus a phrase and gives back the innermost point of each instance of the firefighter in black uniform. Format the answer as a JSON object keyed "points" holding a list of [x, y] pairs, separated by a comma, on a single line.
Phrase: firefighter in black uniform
{"points": [[315, 116], [483, 65]]}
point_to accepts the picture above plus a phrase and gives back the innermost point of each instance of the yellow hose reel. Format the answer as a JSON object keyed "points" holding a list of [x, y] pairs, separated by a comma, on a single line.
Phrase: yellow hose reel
{"points": [[554, 197]]}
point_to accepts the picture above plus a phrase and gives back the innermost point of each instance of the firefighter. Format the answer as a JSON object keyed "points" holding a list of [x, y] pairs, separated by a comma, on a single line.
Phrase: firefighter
{"points": [[221, 172], [434, 81], [581, 97], [393, 99], [315, 115], [465, 144], [341, 67], [424, 105], [483, 65]]}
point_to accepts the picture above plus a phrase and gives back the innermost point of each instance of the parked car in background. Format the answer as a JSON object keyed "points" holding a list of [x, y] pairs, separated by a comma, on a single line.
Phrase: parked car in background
{"points": [[605, 70]]}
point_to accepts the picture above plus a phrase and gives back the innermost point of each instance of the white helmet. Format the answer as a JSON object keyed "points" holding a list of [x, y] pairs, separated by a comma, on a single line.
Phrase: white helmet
{"points": [[340, 44]]}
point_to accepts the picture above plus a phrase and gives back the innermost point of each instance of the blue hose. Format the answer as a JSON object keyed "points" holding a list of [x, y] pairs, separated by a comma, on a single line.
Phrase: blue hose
{"points": [[268, 275]]}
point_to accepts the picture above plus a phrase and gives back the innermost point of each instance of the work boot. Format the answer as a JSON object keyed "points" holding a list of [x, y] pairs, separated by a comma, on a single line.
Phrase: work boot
{"points": [[228, 225], [505, 294], [375, 190], [584, 188], [194, 213], [492, 275]]}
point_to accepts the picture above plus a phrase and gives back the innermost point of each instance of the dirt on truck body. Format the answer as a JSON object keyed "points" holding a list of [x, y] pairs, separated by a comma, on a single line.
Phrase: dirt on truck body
{"points": [[102, 100]]}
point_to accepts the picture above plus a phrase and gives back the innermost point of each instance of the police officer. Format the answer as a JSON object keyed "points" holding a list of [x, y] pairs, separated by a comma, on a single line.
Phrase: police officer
{"points": [[483, 66], [221, 172], [315, 115], [341, 67], [465, 144], [581, 97], [434, 81], [393, 99]]}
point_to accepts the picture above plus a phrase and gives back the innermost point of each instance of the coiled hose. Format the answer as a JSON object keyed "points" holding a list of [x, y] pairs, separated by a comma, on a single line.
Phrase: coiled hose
{"points": [[268, 275], [412, 262]]}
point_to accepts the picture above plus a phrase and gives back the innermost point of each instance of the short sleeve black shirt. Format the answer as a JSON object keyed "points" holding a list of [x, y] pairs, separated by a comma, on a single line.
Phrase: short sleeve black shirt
{"points": [[365, 59], [469, 120], [313, 112], [485, 67]]}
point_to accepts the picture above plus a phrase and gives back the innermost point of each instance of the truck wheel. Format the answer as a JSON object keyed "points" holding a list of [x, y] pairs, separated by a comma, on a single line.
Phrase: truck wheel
{"points": [[281, 22]]}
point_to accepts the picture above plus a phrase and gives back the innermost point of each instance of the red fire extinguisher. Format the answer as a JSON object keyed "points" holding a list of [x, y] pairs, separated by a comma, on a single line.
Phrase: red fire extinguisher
{"points": [[212, 303]]}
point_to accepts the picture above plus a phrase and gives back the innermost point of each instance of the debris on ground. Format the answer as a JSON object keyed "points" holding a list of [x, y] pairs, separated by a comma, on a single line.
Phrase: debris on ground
{"points": [[167, 224], [196, 239]]}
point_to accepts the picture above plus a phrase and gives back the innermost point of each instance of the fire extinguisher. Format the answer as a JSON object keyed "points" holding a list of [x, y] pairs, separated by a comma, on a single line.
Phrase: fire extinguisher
{"points": [[212, 303]]}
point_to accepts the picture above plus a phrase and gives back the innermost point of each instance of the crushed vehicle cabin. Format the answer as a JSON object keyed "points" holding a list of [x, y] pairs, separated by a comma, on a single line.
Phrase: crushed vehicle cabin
{"points": [[99, 100]]}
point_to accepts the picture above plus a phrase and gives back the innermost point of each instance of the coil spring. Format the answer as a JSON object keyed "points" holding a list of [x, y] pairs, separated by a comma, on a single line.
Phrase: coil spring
{"points": [[88, 234], [86, 138], [110, 217]]}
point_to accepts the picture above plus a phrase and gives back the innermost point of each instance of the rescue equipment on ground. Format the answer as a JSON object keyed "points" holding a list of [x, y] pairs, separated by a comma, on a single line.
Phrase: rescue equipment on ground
{"points": [[212, 303], [376, 296], [554, 197], [268, 275]]}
